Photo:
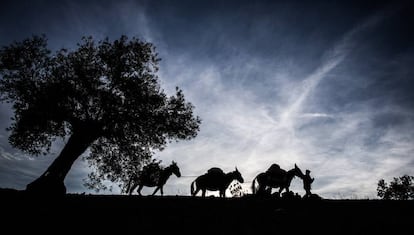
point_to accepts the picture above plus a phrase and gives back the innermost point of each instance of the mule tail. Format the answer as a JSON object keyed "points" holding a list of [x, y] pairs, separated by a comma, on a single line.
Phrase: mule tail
{"points": [[254, 185], [192, 188]]}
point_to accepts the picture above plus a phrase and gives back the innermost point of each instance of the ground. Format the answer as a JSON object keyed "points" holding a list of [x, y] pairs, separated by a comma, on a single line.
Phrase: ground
{"points": [[121, 214]]}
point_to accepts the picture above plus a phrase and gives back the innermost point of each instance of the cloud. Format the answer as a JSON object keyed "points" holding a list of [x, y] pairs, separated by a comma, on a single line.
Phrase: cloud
{"points": [[284, 86], [239, 128]]}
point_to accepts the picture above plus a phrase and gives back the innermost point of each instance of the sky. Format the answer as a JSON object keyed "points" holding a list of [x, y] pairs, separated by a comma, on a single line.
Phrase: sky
{"points": [[326, 85]]}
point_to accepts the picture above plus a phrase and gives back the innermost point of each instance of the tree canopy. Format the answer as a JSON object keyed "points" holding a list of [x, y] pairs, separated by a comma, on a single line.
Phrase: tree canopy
{"points": [[103, 95], [401, 188]]}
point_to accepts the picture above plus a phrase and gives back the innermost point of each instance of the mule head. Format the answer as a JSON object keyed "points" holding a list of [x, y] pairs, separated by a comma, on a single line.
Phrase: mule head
{"points": [[298, 172], [238, 176], [175, 169]]}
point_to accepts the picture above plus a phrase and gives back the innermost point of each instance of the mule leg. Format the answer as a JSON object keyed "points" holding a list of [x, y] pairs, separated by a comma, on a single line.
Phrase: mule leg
{"points": [[162, 191], [155, 191], [203, 192], [139, 189], [130, 189], [223, 193], [133, 187], [197, 190], [261, 190]]}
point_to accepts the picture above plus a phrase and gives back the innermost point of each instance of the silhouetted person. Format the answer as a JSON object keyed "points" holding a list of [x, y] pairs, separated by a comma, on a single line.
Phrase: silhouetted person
{"points": [[307, 181]]}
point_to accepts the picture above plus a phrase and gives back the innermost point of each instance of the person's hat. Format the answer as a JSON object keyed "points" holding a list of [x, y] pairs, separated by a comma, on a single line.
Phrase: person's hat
{"points": [[308, 171]]}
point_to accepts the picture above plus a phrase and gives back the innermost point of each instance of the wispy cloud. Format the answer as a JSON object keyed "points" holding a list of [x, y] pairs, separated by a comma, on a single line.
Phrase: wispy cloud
{"points": [[331, 59], [240, 130]]}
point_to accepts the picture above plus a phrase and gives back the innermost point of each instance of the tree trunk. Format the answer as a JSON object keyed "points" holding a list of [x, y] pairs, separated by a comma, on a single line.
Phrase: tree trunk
{"points": [[51, 182]]}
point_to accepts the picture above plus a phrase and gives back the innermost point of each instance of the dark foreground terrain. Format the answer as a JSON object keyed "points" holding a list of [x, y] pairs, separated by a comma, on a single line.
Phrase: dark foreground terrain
{"points": [[108, 214]]}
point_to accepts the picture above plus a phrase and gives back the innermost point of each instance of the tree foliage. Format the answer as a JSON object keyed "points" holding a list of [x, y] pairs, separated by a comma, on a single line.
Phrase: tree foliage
{"points": [[401, 188], [104, 95]]}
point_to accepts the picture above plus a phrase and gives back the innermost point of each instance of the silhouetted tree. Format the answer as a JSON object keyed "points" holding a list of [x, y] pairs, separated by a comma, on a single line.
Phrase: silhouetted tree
{"points": [[401, 188], [104, 95]]}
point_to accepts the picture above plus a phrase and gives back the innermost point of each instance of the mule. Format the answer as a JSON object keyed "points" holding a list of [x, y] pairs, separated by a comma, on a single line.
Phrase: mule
{"points": [[153, 179], [215, 180], [275, 179]]}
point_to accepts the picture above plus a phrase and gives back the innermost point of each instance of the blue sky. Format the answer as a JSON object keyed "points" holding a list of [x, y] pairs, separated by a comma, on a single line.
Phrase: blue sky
{"points": [[326, 85]]}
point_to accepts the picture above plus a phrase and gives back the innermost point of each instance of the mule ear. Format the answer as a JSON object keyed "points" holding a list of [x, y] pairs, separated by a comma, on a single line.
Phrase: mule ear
{"points": [[236, 169], [296, 166]]}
